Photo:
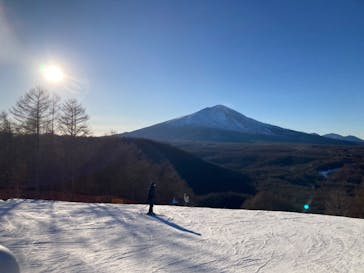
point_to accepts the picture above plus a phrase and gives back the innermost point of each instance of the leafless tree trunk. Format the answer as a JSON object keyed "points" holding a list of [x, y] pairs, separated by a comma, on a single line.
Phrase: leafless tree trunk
{"points": [[31, 113], [72, 122], [73, 119], [53, 114], [6, 151]]}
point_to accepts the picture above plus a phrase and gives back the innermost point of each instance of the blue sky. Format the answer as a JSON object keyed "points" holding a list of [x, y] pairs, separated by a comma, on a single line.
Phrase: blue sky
{"points": [[295, 64]]}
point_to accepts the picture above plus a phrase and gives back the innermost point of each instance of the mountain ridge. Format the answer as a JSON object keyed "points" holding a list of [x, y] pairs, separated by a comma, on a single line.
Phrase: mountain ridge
{"points": [[222, 124], [345, 138]]}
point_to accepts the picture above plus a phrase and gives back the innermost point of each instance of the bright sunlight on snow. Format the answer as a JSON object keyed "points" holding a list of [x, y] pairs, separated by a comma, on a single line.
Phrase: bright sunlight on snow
{"points": [[53, 236]]}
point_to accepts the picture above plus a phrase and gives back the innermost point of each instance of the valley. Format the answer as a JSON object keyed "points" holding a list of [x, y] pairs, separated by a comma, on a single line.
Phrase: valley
{"points": [[287, 176], [291, 170]]}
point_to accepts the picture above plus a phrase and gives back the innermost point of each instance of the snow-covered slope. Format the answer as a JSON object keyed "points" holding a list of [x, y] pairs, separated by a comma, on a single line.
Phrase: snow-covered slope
{"points": [[63, 237]]}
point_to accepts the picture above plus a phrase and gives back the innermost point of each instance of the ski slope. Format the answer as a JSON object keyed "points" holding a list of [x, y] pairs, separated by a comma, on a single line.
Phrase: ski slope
{"points": [[49, 236]]}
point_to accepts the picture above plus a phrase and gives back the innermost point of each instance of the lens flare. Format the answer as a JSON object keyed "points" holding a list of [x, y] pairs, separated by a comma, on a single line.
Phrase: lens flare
{"points": [[52, 73], [306, 206]]}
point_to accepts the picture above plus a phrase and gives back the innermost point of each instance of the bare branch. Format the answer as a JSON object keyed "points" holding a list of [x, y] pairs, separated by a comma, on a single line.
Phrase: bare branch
{"points": [[31, 111], [73, 119]]}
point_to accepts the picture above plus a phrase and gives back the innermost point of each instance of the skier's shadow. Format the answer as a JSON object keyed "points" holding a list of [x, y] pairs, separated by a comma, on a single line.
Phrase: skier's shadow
{"points": [[171, 224]]}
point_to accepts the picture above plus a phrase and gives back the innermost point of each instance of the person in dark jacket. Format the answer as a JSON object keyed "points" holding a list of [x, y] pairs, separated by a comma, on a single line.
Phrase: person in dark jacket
{"points": [[151, 198]]}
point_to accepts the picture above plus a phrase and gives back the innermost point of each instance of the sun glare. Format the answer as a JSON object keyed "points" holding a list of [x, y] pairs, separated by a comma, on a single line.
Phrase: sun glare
{"points": [[52, 73]]}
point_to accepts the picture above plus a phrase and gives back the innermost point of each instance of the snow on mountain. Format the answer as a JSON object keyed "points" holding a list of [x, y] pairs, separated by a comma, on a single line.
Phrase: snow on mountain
{"points": [[222, 124], [345, 138], [222, 117], [52, 236]]}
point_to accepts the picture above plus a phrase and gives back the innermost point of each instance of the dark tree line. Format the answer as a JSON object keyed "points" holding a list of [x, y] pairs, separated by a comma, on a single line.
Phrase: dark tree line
{"points": [[36, 114], [47, 153], [70, 167]]}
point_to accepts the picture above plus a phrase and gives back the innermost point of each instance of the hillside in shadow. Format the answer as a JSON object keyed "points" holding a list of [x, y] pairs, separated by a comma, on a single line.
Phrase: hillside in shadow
{"points": [[109, 169]]}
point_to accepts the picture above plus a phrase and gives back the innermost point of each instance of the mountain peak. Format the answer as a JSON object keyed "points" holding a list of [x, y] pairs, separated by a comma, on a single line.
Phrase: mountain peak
{"points": [[219, 108], [220, 123], [221, 117]]}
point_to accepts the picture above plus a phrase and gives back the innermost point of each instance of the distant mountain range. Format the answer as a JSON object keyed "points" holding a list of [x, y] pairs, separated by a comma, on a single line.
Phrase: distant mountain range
{"points": [[222, 124], [345, 138]]}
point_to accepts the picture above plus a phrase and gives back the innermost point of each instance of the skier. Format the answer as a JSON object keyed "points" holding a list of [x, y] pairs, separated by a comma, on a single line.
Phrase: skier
{"points": [[186, 198], [151, 198]]}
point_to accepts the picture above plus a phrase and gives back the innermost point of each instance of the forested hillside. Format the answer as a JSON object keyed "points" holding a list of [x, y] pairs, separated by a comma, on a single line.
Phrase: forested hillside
{"points": [[328, 178], [109, 168]]}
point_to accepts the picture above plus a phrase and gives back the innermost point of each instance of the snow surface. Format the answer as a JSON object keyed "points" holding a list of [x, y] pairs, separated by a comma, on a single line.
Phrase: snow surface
{"points": [[222, 117], [48, 236], [326, 173]]}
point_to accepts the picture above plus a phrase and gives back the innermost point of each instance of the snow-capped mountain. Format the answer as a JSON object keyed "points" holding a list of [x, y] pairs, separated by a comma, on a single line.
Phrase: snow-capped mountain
{"points": [[222, 124], [346, 138], [222, 117]]}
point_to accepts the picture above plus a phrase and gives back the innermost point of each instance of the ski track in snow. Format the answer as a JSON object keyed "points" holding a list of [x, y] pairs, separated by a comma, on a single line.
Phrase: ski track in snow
{"points": [[52, 236]]}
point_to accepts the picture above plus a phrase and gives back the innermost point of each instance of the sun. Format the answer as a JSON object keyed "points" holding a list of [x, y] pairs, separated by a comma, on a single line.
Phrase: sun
{"points": [[52, 73]]}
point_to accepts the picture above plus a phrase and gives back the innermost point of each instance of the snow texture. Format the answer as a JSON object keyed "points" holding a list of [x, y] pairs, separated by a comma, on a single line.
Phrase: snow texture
{"points": [[222, 117], [327, 173], [48, 236]]}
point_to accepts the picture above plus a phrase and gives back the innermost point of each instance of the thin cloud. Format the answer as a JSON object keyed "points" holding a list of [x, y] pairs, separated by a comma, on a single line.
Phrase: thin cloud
{"points": [[10, 47]]}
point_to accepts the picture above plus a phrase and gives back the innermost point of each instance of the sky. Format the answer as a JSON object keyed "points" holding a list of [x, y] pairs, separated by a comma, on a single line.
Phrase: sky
{"points": [[295, 64]]}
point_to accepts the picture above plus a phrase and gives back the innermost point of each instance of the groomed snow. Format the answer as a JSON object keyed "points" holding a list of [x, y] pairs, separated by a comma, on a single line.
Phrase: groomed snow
{"points": [[64, 237]]}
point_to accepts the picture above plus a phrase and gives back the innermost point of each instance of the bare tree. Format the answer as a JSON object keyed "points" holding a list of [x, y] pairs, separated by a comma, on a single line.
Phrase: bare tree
{"points": [[31, 111], [73, 119], [54, 106], [7, 150], [5, 125], [72, 122]]}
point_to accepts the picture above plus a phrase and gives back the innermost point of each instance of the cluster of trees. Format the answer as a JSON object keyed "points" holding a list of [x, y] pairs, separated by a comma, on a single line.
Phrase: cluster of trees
{"points": [[287, 176], [37, 112], [91, 169], [36, 115], [47, 152]]}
